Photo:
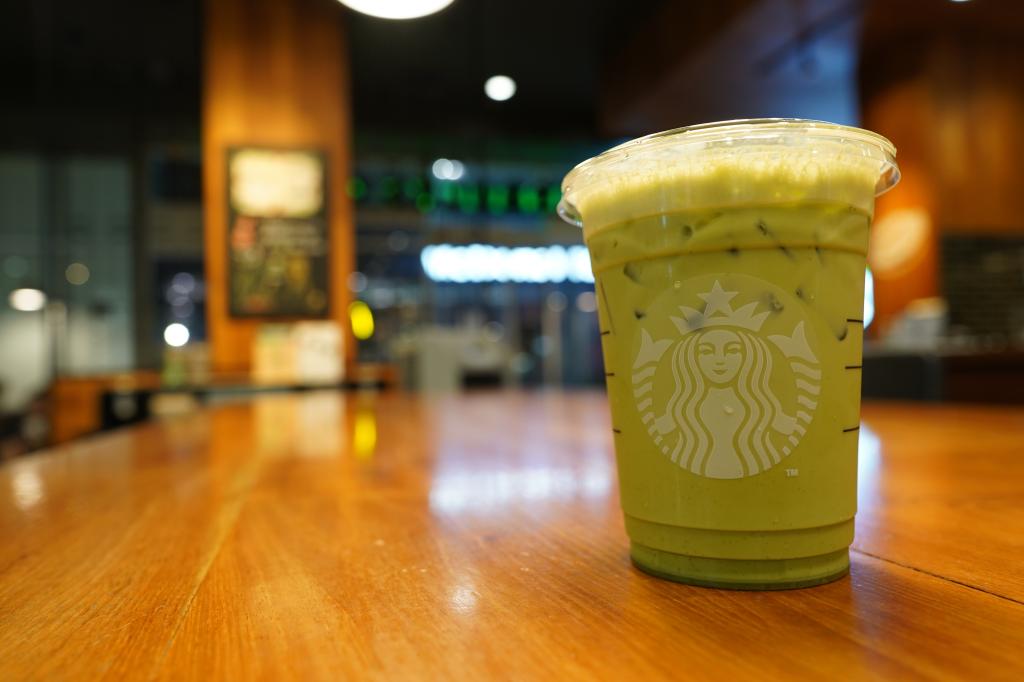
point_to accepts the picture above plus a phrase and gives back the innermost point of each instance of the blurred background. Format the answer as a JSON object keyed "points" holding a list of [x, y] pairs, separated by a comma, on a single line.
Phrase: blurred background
{"points": [[203, 201]]}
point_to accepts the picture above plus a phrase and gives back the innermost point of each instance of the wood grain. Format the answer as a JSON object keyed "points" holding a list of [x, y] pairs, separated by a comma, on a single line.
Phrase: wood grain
{"points": [[329, 536], [942, 490]]}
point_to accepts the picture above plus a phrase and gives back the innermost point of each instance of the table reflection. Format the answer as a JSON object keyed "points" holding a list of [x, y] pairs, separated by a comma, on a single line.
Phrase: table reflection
{"points": [[463, 598], [309, 426], [364, 433], [493, 491], [26, 486], [869, 467]]}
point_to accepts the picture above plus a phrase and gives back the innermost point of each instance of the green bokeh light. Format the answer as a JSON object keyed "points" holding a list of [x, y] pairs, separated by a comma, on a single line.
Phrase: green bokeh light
{"points": [[412, 188], [554, 195], [356, 188], [445, 192], [528, 199], [389, 188], [425, 203], [469, 198], [497, 199]]}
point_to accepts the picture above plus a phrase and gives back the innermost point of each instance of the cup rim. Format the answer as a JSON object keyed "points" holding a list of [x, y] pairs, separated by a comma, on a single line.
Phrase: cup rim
{"points": [[746, 129]]}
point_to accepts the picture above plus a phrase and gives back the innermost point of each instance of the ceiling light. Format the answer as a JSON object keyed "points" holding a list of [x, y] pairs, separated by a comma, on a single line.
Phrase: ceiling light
{"points": [[447, 169], [77, 274], [27, 300], [397, 9], [500, 88], [176, 335]]}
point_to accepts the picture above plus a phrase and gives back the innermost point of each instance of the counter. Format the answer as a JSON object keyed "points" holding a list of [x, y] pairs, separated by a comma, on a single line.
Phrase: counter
{"points": [[337, 536]]}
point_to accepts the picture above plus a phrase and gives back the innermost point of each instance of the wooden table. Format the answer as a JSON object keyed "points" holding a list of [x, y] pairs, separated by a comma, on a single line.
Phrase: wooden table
{"points": [[330, 536]]}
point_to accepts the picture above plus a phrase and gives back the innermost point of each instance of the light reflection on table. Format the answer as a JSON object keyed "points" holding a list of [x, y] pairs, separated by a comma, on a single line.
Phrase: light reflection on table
{"points": [[392, 536], [26, 486], [494, 491], [869, 462]]}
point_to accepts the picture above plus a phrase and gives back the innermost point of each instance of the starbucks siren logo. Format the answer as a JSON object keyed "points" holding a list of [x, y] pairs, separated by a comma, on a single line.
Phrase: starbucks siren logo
{"points": [[721, 398]]}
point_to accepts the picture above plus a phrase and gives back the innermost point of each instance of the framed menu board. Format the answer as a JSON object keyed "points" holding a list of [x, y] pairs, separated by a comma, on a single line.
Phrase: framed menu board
{"points": [[277, 233]]}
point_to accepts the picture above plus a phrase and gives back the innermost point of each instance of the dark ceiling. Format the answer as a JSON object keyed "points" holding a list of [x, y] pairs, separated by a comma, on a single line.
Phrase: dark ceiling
{"points": [[135, 55], [140, 60], [428, 74]]}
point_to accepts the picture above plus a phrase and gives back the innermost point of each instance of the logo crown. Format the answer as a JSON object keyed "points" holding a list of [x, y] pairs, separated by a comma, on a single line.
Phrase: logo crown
{"points": [[718, 312]]}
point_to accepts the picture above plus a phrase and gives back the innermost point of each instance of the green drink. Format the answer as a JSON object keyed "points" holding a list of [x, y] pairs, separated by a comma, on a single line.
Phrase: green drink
{"points": [[729, 265]]}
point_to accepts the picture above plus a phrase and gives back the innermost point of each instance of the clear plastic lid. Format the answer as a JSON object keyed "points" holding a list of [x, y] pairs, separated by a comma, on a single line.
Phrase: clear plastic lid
{"points": [[775, 160]]}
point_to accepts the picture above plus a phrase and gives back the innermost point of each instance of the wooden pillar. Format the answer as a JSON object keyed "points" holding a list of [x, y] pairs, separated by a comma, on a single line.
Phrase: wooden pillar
{"points": [[944, 82], [275, 74]]}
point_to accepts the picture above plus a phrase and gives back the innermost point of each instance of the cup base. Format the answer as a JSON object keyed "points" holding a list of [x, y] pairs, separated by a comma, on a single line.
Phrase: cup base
{"points": [[742, 574]]}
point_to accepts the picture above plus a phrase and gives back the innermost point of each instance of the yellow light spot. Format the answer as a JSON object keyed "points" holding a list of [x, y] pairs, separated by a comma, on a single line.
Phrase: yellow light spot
{"points": [[364, 434], [361, 318]]}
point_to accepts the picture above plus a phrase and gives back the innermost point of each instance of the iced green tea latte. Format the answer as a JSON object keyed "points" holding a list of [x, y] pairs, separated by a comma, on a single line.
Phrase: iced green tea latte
{"points": [[729, 265]]}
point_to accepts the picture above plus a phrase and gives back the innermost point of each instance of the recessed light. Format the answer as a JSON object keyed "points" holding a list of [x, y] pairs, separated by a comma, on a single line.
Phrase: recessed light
{"points": [[27, 300], [447, 169], [397, 9], [176, 334], [77, 274], [500, 88]]}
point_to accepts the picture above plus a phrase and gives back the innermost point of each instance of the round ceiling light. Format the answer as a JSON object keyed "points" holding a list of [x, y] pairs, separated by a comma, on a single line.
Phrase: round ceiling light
{"points": [[397, 9], [176, 335], [500, 88], [447, 169], [27, 300]]}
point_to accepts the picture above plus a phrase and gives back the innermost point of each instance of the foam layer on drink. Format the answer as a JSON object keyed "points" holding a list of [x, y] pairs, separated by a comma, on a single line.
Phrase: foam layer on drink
{"points": [[622, 189]]}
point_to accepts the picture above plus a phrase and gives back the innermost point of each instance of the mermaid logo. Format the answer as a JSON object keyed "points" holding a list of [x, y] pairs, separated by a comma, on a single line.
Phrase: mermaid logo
{"points": [[734, 401]]}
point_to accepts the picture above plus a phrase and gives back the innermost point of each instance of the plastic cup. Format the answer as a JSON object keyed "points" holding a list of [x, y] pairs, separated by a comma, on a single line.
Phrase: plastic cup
{"points": [[729, 265]]}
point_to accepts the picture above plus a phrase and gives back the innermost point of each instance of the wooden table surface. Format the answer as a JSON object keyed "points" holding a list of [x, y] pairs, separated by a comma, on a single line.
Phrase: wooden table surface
{"points": [[330, 536]]}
